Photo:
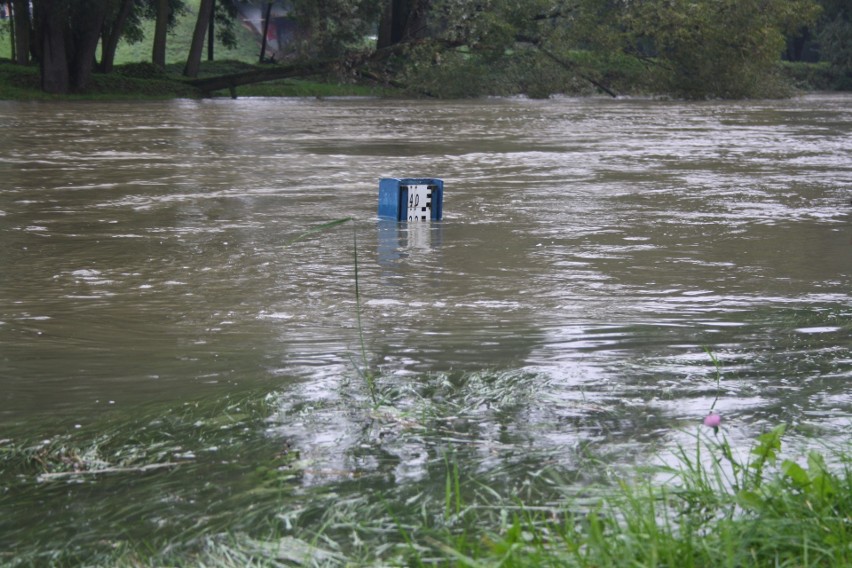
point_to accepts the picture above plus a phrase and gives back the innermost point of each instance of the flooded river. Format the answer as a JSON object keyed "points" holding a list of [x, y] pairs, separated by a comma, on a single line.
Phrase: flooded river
{"points": [[592, 253]]}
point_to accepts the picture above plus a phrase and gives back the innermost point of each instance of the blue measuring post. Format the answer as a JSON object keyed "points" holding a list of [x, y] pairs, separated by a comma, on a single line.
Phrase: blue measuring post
{"points": [[411, 199]]}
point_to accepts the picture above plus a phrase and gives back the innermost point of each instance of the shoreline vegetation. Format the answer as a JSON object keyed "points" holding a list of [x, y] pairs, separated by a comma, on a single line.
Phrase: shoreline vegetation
{"points": [[144, 81], [254, 504], [511, 52]]}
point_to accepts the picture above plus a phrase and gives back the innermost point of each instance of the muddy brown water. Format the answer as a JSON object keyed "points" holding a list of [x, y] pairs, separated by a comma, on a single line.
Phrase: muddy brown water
{"points": [[597, 248]]}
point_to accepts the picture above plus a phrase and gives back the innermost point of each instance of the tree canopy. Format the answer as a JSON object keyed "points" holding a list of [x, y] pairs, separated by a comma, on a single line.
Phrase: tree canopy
{"points": [[690, 48]]}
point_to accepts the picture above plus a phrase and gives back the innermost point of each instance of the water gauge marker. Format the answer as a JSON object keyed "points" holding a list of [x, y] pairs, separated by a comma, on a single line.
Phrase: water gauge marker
{"points": [[411, 199]]}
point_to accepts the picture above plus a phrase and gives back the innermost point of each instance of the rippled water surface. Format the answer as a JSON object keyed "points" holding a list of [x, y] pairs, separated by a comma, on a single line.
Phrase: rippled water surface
{"points": [[591, 249]]}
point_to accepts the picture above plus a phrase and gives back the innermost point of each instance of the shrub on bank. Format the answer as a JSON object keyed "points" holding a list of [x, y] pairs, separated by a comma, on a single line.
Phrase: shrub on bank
{"points": [[814, 76]]}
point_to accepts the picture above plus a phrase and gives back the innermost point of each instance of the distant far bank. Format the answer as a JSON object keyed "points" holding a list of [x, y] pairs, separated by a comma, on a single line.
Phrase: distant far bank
{"points": [[143, 81]]}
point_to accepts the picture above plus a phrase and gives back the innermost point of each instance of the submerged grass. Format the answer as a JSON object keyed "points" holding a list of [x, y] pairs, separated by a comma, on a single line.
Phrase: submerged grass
{"points": [[695, 519], [702, 515], [234, 491]]}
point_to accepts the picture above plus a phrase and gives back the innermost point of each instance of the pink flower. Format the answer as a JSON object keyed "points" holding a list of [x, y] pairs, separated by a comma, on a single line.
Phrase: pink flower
{"points": [[712, 421]]}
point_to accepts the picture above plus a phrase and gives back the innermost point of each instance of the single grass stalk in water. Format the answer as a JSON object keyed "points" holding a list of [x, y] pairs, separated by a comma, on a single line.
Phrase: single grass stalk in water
{"points": [[364, 370], [718, 366], [713, 420], [452, 490]]}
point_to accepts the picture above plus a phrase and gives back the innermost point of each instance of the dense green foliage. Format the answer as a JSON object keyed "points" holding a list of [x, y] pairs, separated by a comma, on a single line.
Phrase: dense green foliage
{"points": [[835, 38], [725, 48], [722, 49]]}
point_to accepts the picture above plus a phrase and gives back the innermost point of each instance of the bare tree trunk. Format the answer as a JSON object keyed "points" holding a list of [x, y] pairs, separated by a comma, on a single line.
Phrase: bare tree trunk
{"points": [[21, 14], [265, 31], [161, 28], [51, 23], [193, 62], [85, 34], [110, 39], [211, 32]]}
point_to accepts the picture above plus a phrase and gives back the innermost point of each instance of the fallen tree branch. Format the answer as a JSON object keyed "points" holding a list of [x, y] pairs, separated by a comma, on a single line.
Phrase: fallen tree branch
{"points": [[353, 63], [565, 64], [373, 76], [356, 63], [574, 68], [209, 84]]}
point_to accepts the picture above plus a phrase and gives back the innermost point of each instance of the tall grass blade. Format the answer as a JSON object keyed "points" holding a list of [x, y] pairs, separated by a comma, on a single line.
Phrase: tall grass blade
{"points": [[718, 366], [364, 371], [317, 229], [368, 376]]}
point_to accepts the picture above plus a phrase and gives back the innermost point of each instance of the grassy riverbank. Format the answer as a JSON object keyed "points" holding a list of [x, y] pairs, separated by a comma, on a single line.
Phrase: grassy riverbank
{"points": [[139, 81], [226, 482]]}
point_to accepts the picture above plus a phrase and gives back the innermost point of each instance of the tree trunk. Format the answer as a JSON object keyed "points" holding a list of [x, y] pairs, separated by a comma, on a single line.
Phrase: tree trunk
{"points": [[85, 34], [67, 38], [21, 11], [211, 32], [265, 31], [110, 39], [158, 56], [6, 7], [193, 62], [51, 24], [402, 20]]}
